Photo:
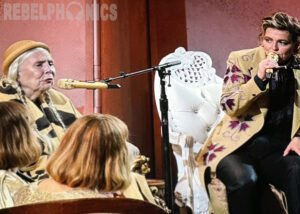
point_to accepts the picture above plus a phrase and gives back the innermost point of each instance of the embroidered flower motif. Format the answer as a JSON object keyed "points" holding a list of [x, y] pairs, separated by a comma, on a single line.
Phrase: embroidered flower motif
{"points": [[242, 123], [231, 74], [211, 154], [227, 102], [248, 77]]}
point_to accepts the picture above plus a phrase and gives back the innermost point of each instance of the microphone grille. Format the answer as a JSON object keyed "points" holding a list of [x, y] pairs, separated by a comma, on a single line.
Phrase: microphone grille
{"points": [[273, 56], [64, 83]]}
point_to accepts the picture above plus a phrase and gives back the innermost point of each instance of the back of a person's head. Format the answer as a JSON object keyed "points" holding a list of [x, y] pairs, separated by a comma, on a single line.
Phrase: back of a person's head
{"points": [[18, 145], [93, 154]]}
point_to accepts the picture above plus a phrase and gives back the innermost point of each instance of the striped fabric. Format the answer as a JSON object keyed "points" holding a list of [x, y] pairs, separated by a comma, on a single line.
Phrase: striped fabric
{"points": [[47, 124]]}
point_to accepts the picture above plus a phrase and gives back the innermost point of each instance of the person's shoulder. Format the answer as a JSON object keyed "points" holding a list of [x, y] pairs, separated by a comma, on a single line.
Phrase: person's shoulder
{"points": [[10, 176], [55, 93], [24, 194], [247, 52], [7, 92], [62, 102], [58, 97]]}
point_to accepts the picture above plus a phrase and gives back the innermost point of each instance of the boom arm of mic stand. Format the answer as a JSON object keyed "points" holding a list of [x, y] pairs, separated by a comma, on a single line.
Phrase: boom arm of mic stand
{"points": [[154, 68], [124, 75]]}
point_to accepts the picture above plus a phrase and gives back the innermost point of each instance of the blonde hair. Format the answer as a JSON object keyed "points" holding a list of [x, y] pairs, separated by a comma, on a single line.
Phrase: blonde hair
{"points": [[19, 146], [93, 154], [281, 21]]}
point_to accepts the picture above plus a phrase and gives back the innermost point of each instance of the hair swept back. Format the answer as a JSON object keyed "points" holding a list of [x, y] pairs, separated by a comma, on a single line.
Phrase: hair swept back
{"points": [[93, 154], [281, 21], [19, 146]]}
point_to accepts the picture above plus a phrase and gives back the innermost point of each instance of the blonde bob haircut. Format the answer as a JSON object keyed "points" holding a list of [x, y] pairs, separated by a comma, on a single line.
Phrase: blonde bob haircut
{"points": [[93, 154], [19, 146]]}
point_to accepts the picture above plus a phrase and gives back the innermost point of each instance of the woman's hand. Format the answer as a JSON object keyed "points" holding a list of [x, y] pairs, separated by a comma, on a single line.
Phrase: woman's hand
{"points": [[264, 65], [294, 146]]}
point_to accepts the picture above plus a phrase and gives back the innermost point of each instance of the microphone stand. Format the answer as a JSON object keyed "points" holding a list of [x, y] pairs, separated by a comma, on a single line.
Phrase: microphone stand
{"points": [[164, 106], [164, 123]]}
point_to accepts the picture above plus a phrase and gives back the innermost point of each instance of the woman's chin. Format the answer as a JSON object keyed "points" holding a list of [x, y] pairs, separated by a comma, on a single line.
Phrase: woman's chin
{"points": [[47, 86]]}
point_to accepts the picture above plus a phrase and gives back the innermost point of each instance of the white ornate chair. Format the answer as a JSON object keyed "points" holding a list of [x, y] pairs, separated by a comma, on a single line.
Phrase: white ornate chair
{"points": [[194, 111]]}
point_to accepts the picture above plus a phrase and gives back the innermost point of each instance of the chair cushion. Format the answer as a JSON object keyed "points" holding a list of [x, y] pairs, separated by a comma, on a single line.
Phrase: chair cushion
{"points": [[194, 111]]}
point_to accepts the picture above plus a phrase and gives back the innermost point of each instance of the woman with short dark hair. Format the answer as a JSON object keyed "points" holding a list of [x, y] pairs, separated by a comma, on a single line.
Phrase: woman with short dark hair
{"points": [[259, 137]]}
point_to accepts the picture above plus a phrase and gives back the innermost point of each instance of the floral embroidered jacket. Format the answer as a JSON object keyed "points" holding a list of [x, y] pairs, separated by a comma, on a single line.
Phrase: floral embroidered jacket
{"points": [[245, 106]]}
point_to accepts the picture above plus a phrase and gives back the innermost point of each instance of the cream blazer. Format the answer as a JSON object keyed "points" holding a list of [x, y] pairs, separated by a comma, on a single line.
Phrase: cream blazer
{"points": [[245, 106]]}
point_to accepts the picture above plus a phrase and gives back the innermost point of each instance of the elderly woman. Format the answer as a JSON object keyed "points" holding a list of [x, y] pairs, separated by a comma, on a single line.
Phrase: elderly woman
{"points": [[259, 137], [91, 161], [28, 77], [18, 147]]}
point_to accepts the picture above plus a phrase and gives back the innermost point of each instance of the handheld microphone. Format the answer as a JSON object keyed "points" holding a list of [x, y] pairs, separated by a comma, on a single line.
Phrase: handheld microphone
{"points": [[274, 56], [71, 84]]}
